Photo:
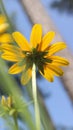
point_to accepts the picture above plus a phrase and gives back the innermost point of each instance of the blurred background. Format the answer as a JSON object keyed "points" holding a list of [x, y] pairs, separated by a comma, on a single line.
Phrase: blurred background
{"points": [[57, 96]]}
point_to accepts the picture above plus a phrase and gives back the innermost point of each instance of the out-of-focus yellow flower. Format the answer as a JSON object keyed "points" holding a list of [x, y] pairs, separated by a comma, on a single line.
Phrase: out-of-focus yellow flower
{"points": [[4, 36], [8, 106], [3, 24], [39, 52], [6, 102]]}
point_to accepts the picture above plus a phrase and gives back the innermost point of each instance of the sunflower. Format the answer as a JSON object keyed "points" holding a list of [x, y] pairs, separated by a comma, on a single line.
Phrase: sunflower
{"points": [[4, 36], [39, 52]]}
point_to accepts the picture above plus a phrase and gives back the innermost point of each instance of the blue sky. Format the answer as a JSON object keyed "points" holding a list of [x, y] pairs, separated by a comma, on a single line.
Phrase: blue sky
{"points": [[58, 104], [63, 22]]}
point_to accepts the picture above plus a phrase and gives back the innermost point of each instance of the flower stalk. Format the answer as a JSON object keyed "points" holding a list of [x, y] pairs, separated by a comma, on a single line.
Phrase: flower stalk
{"points": [[36, 106], [15, 121]]}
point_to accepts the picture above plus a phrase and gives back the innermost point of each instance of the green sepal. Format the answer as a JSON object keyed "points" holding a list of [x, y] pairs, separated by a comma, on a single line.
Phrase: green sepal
{"points": [[22, 62], [48, 60], [12, 112], [41, 68], [6, 108]]}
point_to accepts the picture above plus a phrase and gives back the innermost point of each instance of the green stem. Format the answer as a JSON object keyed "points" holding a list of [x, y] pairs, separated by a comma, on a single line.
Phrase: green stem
{"points": [[16, 123], [34, 90]]}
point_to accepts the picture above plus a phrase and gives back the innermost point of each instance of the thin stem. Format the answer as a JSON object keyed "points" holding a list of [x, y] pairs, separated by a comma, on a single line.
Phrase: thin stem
{"points": [[15, 121], [34, 90]]}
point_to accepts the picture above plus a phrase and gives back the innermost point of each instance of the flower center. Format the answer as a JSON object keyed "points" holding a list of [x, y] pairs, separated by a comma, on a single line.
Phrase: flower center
{"points": [[36, 57], [39, 58]]}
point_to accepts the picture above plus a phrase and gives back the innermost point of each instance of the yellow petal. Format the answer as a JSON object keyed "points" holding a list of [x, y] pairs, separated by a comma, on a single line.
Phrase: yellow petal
{"points": [[5, 38], [21, 41], [11, 57], [2, 19], [55, 69], [15, 69], [11, 53], [9, 101], [36, 35], [19, 55], [3, 101], [26, 76], [47, 74], [4, 27], [11, 48], [56, 47], [47, 40], [59, 61]]}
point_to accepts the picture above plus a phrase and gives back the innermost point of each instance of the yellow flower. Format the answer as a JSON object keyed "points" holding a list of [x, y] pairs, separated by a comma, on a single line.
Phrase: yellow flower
{"points": [[4, 36], [39, 52], [8, 106], [6, 102]]}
